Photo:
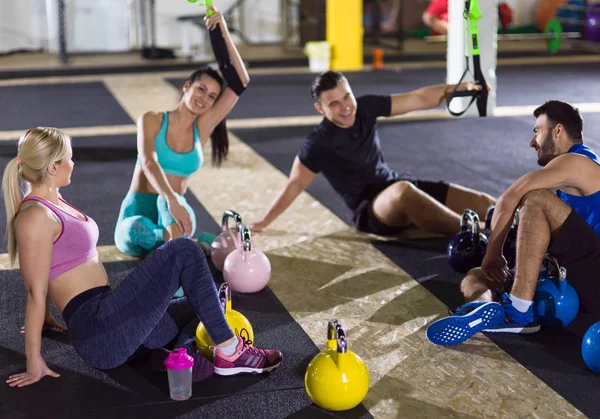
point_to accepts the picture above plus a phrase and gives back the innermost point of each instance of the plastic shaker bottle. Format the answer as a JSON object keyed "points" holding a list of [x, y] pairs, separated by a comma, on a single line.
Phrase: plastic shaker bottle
{"points": [[179, 369]]}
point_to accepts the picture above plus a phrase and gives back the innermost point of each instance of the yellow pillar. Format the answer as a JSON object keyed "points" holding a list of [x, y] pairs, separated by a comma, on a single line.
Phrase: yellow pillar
{"points": [[345, 34]]}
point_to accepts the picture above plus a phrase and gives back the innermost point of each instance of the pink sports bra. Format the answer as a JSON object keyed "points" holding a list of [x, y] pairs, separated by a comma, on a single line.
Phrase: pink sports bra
{"points": [[77, 241]]}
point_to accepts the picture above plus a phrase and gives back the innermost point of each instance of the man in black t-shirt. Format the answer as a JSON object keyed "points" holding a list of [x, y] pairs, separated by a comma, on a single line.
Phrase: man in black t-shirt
{"points": [[345, 148]]}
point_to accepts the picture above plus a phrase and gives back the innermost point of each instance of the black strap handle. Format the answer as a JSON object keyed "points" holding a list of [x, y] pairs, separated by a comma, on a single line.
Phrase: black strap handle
{"points": [[481, 96]]}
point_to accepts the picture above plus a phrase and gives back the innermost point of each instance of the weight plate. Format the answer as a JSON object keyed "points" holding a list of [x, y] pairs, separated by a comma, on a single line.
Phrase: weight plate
{"points": [[554, 33]]}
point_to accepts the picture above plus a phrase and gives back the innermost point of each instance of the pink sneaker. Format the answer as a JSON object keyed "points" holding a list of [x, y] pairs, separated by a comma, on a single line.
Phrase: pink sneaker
{"points": [[246, 359]]}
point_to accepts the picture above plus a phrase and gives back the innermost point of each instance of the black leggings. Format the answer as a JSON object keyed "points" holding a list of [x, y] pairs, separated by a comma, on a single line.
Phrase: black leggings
{"points": [[108, 326]]}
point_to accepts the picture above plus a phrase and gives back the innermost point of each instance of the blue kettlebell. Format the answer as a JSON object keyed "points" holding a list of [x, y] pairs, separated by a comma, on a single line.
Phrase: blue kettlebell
{"points": [[466, 249], [556, 301], [590, 348], [509, 250]]}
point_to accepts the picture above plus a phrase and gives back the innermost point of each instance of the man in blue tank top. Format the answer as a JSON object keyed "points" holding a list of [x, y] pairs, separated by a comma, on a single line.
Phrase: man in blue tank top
{"points": [[559, 214]]}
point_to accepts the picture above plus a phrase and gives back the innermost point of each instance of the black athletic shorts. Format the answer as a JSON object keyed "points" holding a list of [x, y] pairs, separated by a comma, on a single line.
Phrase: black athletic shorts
{"points": [[365, 220], [577, 249]]}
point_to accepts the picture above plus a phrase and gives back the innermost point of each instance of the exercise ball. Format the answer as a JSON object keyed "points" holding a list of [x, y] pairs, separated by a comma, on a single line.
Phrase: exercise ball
{"points": [[591, 30], [590, 348]]}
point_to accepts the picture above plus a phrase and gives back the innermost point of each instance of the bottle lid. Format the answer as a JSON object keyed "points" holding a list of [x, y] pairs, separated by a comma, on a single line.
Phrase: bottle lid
{"points": [[179, 360]]}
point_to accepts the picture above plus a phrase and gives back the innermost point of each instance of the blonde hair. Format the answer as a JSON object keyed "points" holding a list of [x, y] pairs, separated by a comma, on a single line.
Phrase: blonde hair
{"points": [[38, 148]]}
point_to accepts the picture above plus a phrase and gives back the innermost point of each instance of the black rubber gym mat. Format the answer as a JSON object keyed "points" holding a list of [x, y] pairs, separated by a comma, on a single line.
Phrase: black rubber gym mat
{"points": [[103, 167], [289, 95], [265, 405], [488, 154], [82, 389], [59, 105]]}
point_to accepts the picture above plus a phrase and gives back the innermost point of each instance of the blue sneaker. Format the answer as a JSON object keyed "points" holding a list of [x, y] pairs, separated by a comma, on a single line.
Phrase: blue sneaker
{"points": [[470, 318], [467, 320], [514, 320]]}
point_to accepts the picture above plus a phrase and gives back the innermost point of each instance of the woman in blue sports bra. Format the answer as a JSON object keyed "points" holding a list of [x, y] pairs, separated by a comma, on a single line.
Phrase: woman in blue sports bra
{"points": [[170, 145]]}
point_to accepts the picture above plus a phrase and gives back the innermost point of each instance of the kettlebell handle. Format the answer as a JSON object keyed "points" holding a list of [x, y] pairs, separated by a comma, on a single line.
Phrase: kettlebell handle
{"points": [[562, 271], [331, 329], [488, 218], [470, 215], [245, 236], [231, 214], [225, 292], [342, 343]]}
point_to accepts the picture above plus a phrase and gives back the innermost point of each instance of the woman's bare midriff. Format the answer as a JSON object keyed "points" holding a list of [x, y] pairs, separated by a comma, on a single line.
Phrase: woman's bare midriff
{"points": [[140, 183], [92, 274], [88, 275]]}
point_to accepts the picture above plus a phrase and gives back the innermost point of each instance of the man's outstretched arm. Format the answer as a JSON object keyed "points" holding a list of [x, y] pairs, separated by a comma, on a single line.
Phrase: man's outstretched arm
{"points": [[300, 178], [426, 97]]}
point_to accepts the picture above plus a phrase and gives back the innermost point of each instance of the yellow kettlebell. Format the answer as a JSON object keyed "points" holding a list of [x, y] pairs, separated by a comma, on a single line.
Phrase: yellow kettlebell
{"points": [[337, 379], [236, 320]]}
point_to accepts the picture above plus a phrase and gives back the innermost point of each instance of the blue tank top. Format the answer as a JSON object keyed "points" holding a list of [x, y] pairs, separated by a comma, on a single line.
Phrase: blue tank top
{"points": [[172, 162], [587, 206]]}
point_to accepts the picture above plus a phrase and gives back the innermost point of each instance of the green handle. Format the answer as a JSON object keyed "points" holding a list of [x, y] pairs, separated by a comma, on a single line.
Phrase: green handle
{"points": [[473, 13], [208, 4]]}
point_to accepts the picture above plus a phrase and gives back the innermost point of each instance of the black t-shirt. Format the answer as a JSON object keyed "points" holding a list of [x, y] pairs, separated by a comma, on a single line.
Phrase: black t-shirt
{"points": [[351, 158]]}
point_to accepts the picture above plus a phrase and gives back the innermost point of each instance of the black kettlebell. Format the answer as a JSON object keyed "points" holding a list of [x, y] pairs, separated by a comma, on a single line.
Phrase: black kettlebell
{"points": [[509, 250], [467, 248]]}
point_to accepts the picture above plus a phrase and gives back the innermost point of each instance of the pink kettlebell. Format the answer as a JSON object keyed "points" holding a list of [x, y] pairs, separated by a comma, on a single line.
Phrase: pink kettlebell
{"points": [[227, 240], [247, 269]]}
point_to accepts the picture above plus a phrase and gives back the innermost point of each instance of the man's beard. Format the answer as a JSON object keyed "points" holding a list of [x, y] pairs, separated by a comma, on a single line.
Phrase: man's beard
{"points": [[547, 148]]}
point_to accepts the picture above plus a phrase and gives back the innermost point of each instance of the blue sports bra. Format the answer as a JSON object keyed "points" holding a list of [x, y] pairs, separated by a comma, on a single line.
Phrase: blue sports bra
{"points": [[172, 162]]}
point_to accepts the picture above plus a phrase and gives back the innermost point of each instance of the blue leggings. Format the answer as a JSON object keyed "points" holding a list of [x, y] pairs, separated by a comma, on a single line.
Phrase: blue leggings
{"points": [[143, 218], [108, 326]]}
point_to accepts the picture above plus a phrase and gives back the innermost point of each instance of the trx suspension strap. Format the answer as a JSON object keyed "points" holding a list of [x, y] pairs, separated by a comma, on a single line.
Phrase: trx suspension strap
{"points": [[472, 14], [222, 54]]}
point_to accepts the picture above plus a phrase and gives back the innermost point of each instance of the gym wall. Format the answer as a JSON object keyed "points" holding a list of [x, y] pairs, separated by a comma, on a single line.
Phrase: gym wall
{"points": [[22, 25], [106, 26], [261, 19]]}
